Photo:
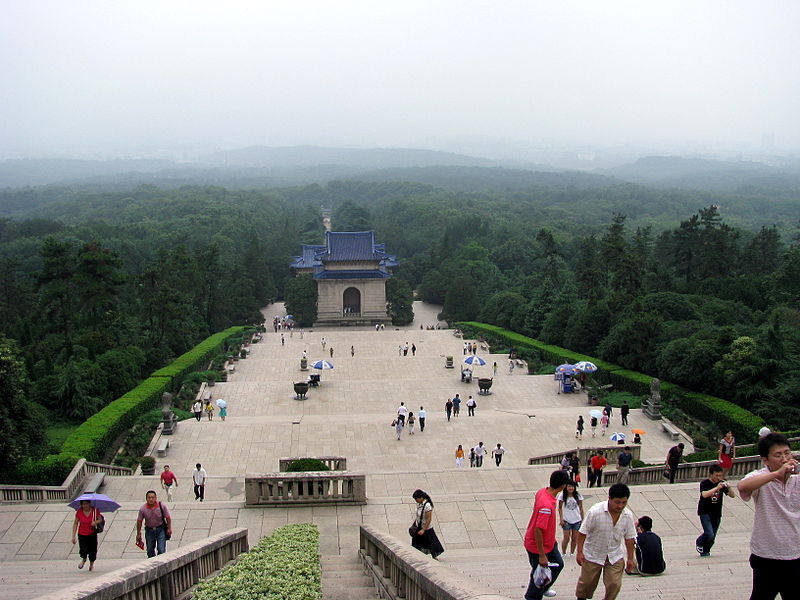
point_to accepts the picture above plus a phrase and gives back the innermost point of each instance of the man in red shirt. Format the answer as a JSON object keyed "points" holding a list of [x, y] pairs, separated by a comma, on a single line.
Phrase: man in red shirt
{"points": [[168, 479], [597, 464], [540, 537]]}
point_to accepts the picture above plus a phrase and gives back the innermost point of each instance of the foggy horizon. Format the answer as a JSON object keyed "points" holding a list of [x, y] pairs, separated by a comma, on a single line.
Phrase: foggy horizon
{"points": [[95, 79]]}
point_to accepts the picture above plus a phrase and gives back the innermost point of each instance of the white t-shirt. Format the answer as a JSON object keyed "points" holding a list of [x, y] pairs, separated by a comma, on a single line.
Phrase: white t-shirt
{"points": [[571, 510], [199, 476], [423, 508], [422, 413], [480, 450], [402, 410], [471, 402]]}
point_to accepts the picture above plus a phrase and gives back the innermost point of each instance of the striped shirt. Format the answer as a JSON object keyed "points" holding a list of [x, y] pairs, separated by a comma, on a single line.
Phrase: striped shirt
{"points": [[603, 537], [776, 522]]}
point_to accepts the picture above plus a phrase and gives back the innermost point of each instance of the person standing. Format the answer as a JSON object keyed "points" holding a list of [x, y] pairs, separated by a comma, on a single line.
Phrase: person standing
{"points": [[168, 480], [480, 452], [598, 463], [575, 468], [709, 508], [775, 541], [456, 405], [398, 427], [283, 340], [197, 409], [494, 369], [459, 456], [330, 350], [322, 341], [649, 552], [410, 422], [624, 460], [624, 412], [570, 515], [402, 411], [199, 477], [87, 518], [471, 404], [425, 539], [405, 349], [673, 460], [413, 349], [498, 452], [352, 351], [157, 524], [448, 408], [607, 526], [579, 428], [727, 452], [422, 414], [608, 409], [540, 536], [510, 366]]}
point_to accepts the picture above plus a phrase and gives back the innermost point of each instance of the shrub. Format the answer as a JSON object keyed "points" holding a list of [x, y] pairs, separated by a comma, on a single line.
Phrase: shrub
{"points": [[50, 470], [283, 565], [306, 464]]}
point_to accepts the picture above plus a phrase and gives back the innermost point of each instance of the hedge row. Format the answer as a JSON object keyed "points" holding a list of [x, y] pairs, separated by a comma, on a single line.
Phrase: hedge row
{"points": [[197, 358], [727, 415], [284, 565]]}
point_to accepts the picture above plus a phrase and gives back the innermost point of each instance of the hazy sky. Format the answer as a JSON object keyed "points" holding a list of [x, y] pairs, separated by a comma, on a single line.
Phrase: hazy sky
{"points": [[117, 76]]}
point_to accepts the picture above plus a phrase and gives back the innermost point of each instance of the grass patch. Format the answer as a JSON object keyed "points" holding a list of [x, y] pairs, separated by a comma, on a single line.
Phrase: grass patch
{"points": [[616, 399], [57, 434]]}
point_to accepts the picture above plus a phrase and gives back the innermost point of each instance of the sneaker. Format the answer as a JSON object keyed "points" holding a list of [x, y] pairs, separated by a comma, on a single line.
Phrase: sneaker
{"points": [[549, 593], [699, 550], [704, 554]]}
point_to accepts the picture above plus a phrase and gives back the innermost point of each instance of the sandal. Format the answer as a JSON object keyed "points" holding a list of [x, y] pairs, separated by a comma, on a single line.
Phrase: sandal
{"points": [[80, 564], [91, 566]]}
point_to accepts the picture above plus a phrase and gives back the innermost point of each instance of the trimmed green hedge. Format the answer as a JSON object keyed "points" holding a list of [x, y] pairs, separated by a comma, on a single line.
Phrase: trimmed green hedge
{"points": [[727, 415], [302, 465], [284, 565], [198, 357]]}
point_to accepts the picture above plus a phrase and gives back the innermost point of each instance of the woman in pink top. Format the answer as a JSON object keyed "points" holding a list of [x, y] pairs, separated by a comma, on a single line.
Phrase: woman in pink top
{"points": [[86, 518], [603, 423]]}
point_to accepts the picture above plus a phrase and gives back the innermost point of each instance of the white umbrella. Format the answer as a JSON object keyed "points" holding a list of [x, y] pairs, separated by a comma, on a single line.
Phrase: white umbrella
{"points": [[615, 437]]}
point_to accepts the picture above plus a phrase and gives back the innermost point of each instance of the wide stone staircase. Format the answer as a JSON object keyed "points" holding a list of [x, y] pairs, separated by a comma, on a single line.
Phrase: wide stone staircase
{"points": [[29, 579], [343, 578]]}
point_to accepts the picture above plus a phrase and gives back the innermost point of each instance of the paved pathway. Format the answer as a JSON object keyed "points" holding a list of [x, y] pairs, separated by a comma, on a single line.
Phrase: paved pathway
{"points": [[350, 415]]}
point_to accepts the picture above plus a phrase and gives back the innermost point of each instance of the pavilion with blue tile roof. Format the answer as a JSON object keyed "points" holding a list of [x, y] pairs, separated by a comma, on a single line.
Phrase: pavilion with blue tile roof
{"points": [[351, 271]]}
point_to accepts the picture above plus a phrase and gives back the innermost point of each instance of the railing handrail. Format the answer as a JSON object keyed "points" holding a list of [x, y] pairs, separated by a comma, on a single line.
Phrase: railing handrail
{"points": [[334, 463], [166, 576], [14, 494], [399, 571], [305, 488]]}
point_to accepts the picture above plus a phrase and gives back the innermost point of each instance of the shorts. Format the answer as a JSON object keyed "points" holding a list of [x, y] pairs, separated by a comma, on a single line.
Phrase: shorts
{"points": [[568, 526]]}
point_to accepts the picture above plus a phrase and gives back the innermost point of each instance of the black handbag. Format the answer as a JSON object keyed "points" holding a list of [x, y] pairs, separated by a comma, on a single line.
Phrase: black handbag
{"points": [[98, 527], [167, 536], [414, 529]]}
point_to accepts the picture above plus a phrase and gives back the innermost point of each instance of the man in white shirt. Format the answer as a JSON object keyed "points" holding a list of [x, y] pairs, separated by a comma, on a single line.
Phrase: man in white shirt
{"points": [[605, 528], [402, 411], [480, 452], [199, 477], [422, 414], [775, 541]]}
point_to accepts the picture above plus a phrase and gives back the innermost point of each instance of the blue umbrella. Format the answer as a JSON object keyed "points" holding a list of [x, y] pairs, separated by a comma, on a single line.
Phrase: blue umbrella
{"points": [[289, 316], [322, 365], [585, 367], [475, 360], [565, 369], [99, 501], [615, 437]]}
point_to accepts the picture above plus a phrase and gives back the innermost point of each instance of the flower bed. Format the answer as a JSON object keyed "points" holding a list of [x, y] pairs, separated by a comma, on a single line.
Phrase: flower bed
{"points": [[283, 565]]}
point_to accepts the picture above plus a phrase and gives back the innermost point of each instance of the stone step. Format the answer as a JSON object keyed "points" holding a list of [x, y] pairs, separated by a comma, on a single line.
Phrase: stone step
{"points": [[343, 578], [25, 579]]}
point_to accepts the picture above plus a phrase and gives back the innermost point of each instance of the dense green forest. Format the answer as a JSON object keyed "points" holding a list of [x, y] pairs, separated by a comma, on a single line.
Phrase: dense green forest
{"points": [[698, 288]]}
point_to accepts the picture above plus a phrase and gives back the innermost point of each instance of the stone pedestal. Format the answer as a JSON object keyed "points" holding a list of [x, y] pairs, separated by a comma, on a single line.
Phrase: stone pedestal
{"points": [[652, 406], [168, 418]]}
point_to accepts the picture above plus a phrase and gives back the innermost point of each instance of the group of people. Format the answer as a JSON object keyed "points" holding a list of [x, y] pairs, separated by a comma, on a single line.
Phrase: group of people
{"points": [[405, 418], [452, 406], [604, 421], [477, 454], [207, 407]]}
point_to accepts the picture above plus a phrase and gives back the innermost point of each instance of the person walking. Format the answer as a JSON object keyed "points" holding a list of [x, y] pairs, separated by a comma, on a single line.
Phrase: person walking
{"points": [[775, 541], [498, 452], [624, 460], [322, 341], [352, 351], [673, 460], [459, 456], [593, 425], [402, 412], [168, 481], [510, 366], [413, 349], [410, 422], [540, 537], [197, 409], [471, 404], [209, 408], [425, 539], [575, 468], [157, 524], [84, 532], [480, 452], [606, 527], [398, 427], [570, 515], [331, 351], [283, 340], [727, 452], [405, 349], [472, 457], [223, 412], [579, 428], [199, 477], [624, 412], [598, 463], [494, 369], [709, 508], [422, 414], [448, 408], [603, 424], [456, 405]]}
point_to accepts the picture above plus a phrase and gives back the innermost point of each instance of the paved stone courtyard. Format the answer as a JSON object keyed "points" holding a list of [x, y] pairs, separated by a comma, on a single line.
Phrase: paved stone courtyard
{"points": [[349, 415]]}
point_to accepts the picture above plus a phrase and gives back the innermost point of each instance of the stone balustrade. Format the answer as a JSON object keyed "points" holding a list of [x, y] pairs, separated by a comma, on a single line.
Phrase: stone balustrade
{"points": [[308, 488], [584, 454], [163, 577], [399, 571], [26, 494], [334, 463]]}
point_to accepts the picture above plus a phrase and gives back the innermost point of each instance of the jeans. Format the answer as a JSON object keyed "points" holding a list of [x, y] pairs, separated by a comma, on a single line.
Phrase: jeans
{"points": [[478, 461], [498, 458], [156, 539], [772, 577], [710, 525], [199, 492], [470, 411], [554, 556], [421, 423]]}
